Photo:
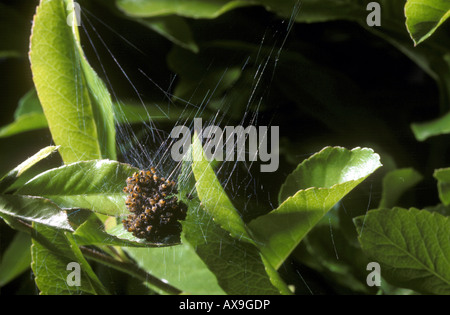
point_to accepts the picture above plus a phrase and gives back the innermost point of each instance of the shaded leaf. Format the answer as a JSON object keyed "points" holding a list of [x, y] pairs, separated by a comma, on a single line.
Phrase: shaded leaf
{"points": [[28, 116], [24, 123], [439, 126], [57, 251], [395, 183], [16, 258], [199, 82], [174, 28], [443, 177], [197, 9], [440, 208], [313, 11], [337, 260], [412, 247], [29, 103]]}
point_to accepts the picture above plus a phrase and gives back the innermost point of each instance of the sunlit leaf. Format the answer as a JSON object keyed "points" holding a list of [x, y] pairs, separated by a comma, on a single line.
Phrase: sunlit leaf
{"points": [[423, 17], [228, 257], [34, 209], [76, 103], [179, 265], [308, 194], [15, 173], [95, 185], [212, 195]]}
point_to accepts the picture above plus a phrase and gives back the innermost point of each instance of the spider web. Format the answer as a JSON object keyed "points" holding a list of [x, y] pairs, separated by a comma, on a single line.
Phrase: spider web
{"points": [[148, 144]]}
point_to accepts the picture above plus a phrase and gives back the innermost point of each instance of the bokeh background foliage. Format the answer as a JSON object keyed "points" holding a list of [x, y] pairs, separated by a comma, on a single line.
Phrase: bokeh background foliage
{"points": [[313, 67]]}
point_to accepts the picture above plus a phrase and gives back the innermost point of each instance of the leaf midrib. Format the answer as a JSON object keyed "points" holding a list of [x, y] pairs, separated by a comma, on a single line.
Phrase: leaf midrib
{"points": [[411, 256], [84, 194]]}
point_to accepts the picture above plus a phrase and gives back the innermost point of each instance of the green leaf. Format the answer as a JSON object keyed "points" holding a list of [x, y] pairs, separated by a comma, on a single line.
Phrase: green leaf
{"points": [[179, 265], [395, 183], [307, 195], [51, 252], [133, 113], [237, 264], [174, 28], [440, 208], [16, 258], [411, 246], [28, 116], [337, 260], [197, 9], [95, 185], [10, 54], [423, 17], [443, 177], [122, 237], [24, 123], [313, 11], [29, 103], [90, 230], [33, 209], [439, 126], [96, 283], [7, 180], [198, 79], [212, 195], [229, 258], [76, 103], [331, 166]]}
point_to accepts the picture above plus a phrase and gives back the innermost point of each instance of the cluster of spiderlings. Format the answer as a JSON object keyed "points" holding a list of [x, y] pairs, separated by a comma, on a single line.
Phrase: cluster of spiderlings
{"points": [[154, 210]]}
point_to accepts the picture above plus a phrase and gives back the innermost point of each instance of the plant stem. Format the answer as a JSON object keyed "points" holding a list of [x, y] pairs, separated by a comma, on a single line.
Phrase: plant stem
{"points": [[129, 268], [126, 267]]}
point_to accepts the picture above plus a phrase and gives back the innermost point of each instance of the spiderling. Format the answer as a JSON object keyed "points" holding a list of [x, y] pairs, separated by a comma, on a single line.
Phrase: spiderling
{"points": [[154, 209]]}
